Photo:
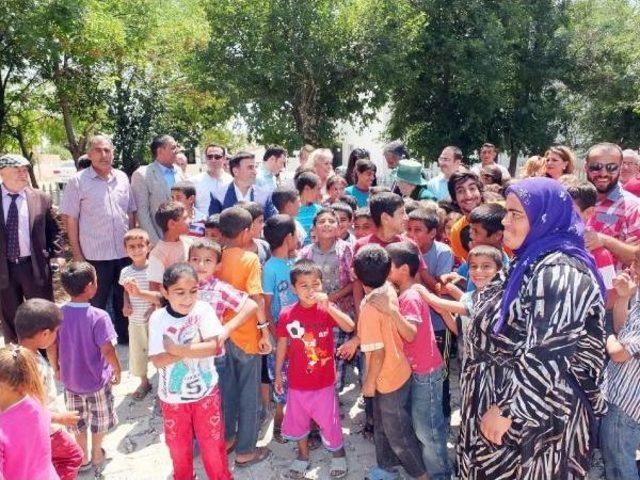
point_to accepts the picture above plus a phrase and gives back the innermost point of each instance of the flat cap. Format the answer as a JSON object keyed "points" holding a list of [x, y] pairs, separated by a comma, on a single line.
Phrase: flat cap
{"points": [[13, 160]]}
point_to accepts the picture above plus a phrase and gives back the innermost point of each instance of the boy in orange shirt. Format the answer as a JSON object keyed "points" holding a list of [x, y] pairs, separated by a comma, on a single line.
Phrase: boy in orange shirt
{"points": [[240, 372], [388, 374]]}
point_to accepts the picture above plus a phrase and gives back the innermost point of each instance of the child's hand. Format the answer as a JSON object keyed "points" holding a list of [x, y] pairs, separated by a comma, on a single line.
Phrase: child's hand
{"points": [[127, 311], [322, 300], [264, 345], [131, 287], [369, 389], [386, 302], [170, 346], [68, 419], [624, 285], [277, 385], [451, 277], [223, 336], [347, 350], [115, 376]]}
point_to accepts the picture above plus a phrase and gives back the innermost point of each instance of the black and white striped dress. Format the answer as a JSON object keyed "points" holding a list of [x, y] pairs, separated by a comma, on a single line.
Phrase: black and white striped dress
{"points": [[552, 343]]}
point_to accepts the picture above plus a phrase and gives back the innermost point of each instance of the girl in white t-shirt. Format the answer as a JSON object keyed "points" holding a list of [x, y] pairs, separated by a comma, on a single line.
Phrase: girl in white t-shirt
{"points": [[183, 340]]}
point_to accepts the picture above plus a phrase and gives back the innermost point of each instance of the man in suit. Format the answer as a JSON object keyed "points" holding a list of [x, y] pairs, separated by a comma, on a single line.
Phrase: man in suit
{"points": [[151, 184], [29, 240], [242, 167]]}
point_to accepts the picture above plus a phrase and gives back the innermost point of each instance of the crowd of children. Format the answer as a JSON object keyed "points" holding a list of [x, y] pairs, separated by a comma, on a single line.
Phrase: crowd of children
{"points": [[236, 312]]}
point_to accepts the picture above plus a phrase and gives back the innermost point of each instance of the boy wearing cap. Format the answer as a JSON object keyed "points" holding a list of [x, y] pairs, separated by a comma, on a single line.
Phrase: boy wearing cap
{"points": [[29, 239], [410, 181]]}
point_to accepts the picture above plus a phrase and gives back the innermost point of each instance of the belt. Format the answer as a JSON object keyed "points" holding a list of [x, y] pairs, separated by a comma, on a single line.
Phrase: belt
{"points": [[19, 260]]}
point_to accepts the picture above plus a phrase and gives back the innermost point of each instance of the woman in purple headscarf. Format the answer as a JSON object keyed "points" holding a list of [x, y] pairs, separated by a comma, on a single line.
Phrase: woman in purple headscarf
{"points": [[530, 382]]}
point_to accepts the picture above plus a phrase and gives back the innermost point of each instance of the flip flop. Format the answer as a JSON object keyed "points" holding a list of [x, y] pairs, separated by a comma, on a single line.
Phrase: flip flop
{"points": [[141, 392], [85, 467], [338, 464], [261, 454], [98, 468], [297, 469]]}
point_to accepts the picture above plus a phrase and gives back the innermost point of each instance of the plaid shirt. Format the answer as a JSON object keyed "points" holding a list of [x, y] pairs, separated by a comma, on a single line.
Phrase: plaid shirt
{"points": [[618, 215], [221, 296]]}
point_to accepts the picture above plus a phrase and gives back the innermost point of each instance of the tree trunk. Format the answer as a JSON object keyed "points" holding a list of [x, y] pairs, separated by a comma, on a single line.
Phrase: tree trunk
{"points": [[513, 160], [26, 153]]}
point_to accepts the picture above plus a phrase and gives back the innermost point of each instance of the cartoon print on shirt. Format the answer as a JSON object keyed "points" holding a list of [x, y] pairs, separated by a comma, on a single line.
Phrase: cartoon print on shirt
{"points": [[314, 354]]}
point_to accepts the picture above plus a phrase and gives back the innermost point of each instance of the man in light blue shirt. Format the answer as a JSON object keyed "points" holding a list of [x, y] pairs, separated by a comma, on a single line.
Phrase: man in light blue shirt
{"points": [[449, 161], [273, 162]]}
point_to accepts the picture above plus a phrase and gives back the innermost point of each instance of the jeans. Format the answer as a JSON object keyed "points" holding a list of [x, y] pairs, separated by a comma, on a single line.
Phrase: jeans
{"points": [[202, 418], [443, 339], [240, 385], [619, 438], [429, 423], [394, 438]]}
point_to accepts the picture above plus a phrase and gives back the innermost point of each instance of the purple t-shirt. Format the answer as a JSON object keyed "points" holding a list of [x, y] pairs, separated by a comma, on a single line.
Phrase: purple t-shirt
{"points": [[84, 330]]}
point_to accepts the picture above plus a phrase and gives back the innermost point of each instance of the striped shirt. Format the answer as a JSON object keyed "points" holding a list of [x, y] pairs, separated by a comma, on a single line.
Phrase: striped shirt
{"points": [[621, 384], [139, 305], [101, 207]]}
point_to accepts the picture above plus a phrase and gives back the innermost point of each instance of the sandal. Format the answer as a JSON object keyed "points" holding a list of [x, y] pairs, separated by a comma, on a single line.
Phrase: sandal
{"points": [[141, 392], [85, 467], [297, 469], [98, 468], [338, 468], [261, 454]]}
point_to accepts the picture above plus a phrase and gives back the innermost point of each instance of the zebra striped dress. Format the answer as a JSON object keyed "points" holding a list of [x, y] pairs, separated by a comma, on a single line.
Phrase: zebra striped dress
{"points": [[552, 343]]}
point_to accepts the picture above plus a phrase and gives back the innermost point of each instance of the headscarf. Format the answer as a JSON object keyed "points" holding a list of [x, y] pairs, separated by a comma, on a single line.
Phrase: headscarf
{"points": [[555, 226]]}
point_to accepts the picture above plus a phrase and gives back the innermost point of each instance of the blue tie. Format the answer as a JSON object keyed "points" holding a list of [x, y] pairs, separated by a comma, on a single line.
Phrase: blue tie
{"points": [[13, 241]]}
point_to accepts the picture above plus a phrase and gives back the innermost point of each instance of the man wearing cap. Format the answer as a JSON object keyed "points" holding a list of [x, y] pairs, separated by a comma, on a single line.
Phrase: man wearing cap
{"points": [[410, 182], [29, 240]]}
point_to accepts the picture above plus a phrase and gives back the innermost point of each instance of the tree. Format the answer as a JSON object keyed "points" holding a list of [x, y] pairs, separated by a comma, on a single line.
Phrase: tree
{"points": [[292, 69]]}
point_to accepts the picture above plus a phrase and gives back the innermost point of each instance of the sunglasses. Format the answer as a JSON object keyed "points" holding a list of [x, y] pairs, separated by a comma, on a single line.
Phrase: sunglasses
{"points": [[609, 167], [217, 156]]}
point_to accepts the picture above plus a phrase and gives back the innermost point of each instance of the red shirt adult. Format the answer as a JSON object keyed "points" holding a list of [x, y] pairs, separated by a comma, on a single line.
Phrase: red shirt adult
{"points": [[310, 351]]}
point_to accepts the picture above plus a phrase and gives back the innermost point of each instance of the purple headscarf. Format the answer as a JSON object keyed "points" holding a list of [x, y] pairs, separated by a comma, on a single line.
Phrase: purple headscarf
{"points": [[554, 227]]}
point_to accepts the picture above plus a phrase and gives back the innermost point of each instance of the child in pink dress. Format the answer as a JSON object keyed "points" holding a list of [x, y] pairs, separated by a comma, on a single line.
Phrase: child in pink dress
{"points": [[25, 453]]}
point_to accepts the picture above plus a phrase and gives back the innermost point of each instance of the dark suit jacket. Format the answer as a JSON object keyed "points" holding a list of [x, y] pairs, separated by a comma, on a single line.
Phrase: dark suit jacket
{"points": [[46, 238], [230, 199]]}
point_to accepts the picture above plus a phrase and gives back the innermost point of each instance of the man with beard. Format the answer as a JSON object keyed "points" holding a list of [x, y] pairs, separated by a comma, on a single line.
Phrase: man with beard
{"points": [[465, 189], [615, 224]]}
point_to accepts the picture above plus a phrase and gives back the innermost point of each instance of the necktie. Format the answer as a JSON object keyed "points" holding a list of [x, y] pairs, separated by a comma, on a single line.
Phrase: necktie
{"points": [[13, 242]]}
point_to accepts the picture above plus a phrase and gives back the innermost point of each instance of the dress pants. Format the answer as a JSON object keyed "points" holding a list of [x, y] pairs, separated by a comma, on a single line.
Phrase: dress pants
{"points": [[21, 287], [108, 274]]}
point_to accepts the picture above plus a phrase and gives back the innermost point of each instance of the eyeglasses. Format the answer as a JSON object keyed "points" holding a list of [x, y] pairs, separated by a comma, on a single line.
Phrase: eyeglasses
{"points": [[609, 167], [217, 156]]}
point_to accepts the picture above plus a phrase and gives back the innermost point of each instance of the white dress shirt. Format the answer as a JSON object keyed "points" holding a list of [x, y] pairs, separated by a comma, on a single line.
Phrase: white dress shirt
{"points": [[24, 237], [206, 185]]}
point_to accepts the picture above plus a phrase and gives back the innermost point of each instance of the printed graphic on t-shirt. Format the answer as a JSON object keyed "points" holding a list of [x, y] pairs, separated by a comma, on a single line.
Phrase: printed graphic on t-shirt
{"points": [[189, 378], [315, 355]]}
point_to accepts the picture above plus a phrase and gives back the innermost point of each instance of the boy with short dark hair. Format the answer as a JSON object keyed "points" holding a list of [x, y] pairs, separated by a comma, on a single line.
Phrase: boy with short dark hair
{"points": [[287, 201], [87, 361], [137, 308], [212, 228], [305, 336], [256, 244], [308, 186], [279, 231], [37, 322], [345, 221], [173, 220], [239, 379], [362, 223], [388, 373], [185, 193], [428, 369]]}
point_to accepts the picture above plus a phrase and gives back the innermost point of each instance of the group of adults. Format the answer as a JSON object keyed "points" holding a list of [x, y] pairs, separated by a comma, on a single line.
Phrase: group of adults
{"points": [[530, 387]]}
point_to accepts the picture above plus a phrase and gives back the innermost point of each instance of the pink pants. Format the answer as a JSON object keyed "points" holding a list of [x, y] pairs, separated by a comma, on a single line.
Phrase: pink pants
{"points": [[204, 418], [66, 455], [320, 406]]}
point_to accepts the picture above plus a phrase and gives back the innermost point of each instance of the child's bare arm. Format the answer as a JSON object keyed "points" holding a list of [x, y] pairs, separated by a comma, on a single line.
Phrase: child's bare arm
{"points": [[281, 353], [207, 348], [616, 350], [267, 311], [441, 304], [264, 344], [453, 290], [249, 308], [109, 353], [163, 359], [342, 319], [52, 355], [450, 322], [406, 329]]}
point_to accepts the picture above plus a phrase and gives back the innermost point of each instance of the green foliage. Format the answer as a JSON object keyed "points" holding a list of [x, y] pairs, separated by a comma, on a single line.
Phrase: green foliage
{"points": [[292, 69]]}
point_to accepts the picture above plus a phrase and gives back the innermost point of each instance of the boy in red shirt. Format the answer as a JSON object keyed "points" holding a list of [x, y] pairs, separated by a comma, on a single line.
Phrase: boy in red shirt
{"points": [[305, 337]]}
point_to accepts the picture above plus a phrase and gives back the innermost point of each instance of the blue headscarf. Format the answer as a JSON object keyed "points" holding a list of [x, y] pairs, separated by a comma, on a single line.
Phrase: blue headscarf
{"points": [[554, 227]]}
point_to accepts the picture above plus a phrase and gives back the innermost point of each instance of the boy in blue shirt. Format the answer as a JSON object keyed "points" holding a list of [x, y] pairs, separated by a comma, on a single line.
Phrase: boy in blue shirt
{"points": [[308, 186], [280, 233]]}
